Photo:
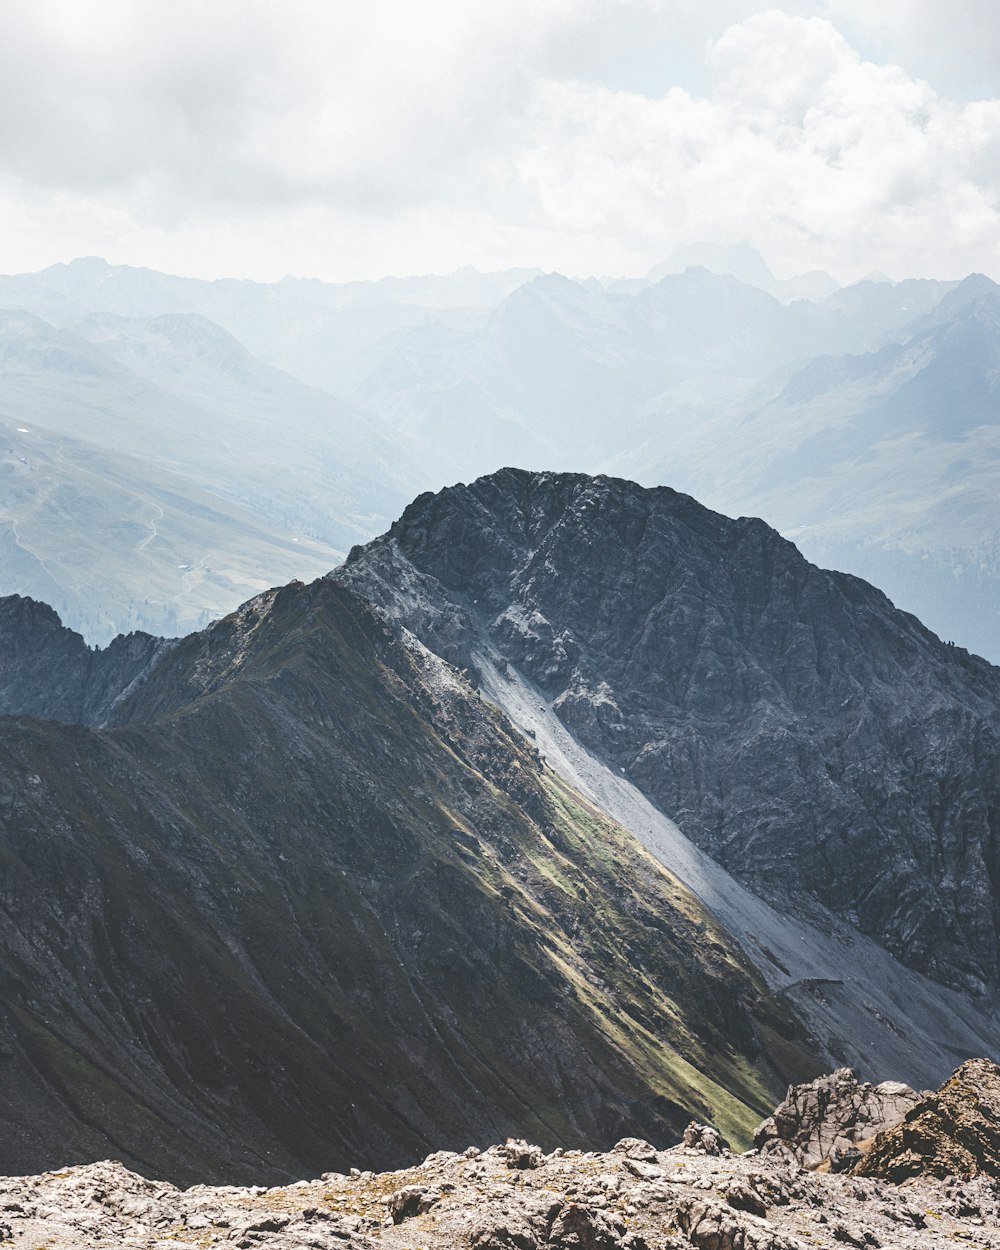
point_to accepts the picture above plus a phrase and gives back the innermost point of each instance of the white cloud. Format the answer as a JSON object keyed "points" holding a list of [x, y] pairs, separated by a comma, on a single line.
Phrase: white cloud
{"points": [[345, 139], [816, 155]]}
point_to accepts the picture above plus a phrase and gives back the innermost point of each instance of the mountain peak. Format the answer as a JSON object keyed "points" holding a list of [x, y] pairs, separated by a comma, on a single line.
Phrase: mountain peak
{"points": [[697, 655]]}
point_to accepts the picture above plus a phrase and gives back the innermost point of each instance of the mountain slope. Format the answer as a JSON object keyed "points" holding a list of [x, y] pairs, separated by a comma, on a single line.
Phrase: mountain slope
{"points": [[314, 903], [822, 746], [113, 542], [181, 393], [883, 464], [158, 474]]}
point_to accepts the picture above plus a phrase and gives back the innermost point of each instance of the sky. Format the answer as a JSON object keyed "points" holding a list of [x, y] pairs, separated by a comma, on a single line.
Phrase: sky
{"points": [[349, 140]]}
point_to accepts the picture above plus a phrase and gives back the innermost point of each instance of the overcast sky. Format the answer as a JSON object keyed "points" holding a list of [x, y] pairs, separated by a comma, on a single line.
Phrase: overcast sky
{"points": [[343, 140]]}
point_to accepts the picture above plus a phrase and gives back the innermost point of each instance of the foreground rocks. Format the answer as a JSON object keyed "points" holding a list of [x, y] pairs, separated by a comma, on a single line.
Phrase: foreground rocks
{"points": [[514, 1196], [953, 1132], [831, 1120], [633, 1197]]}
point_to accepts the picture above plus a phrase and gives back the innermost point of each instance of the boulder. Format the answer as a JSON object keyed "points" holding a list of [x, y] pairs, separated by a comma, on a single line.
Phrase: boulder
{"points": [[829, 1120], [704, 1138]]}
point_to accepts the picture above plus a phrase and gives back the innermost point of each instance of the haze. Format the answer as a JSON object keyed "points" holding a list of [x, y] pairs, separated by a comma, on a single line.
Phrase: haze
{"points": [[346, 141]]}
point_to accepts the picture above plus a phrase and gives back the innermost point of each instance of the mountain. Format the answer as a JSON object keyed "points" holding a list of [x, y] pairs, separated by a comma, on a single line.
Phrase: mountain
{"points": [[744, 262], [158, 473], [858, 423], [181, 393], [323, 333], [564, 371], [822, 746], [307, 901], [881, 463], [385, 863], [112, 542]]}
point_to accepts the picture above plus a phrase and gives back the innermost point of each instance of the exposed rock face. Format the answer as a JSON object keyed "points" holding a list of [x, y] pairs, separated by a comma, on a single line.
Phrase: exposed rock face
{"points": [[826, 1120], [48, 670], [953, 1132], [817, 742], [474, 1201], [313, 903], [309, 899]]}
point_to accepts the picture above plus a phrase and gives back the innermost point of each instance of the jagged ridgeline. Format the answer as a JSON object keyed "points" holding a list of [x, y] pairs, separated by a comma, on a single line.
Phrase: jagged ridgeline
{"points": [[306, 901], [821, 745]]}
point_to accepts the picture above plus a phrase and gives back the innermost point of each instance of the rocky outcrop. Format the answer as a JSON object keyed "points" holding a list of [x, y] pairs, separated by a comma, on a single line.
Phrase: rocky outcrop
{"points": [[829, 1120], [954, 1132], [48, 670], [821, 745], [705, 1138], [572, 1200]]}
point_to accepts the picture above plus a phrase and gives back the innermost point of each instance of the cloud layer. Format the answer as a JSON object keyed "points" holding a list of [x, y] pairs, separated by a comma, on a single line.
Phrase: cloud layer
{"points": [[595, 136]]}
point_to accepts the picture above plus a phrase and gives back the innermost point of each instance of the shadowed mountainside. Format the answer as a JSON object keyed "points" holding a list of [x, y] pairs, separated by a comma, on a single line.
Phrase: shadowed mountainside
{"points": [[313, 903]]}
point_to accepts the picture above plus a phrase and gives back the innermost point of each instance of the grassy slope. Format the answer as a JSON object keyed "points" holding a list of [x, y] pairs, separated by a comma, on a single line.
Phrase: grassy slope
{"points": [[112, 543]]}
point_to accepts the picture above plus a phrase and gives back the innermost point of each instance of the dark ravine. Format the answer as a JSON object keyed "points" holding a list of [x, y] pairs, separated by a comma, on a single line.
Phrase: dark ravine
{"points": [[817, 742], [311, 903]]}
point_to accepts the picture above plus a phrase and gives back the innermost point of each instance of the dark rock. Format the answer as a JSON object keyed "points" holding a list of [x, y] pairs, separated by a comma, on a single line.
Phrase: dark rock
{"points": [[519, 1154], [816, 741], [850, 1235], [705, 1138], [582, 1228], [411, 1200], [744, 1197], [48, 670]]}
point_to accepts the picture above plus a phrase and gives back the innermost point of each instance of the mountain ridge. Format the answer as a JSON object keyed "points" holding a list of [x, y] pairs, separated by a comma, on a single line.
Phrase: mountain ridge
{"points": [[311, 901], [671, 642]]}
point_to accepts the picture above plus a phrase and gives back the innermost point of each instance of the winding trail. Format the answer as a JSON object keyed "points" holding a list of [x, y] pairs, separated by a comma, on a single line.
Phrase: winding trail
{"points": [[153, 531]]}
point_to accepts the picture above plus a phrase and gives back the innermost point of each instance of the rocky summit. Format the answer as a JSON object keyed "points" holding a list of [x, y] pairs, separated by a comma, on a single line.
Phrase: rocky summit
{"points": [[695, 1195], [954, 1131], [822, 746]]}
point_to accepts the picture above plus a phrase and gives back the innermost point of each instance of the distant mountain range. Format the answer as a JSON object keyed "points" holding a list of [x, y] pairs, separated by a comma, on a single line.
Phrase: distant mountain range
{"points": [[389, 862], [860, 421], [884, 463]]}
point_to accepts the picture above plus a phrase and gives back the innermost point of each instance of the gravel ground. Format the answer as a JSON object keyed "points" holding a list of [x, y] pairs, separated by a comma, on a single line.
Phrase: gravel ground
{"points": [[510, 1197]]}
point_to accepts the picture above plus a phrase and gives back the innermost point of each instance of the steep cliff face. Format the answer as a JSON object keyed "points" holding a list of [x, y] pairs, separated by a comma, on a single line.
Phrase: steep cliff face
{"points": [[313, 903], [48, 670], [817, 742]]}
